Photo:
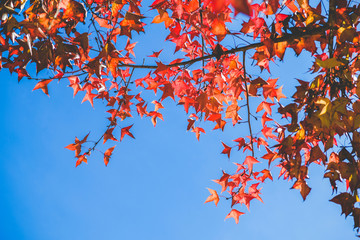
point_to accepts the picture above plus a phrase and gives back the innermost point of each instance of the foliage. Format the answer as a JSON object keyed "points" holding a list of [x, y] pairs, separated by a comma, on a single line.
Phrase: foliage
{"points": [[208, 79]]}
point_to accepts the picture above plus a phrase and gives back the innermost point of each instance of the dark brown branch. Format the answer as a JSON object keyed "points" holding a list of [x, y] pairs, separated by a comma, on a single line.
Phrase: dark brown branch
{"points": [[331, 21], [248, 106], [287, 37]]}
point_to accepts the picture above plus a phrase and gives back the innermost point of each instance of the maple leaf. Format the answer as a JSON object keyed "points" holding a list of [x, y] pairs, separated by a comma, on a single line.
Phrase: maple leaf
{"points": [[213, 197], [77, 145], [234, 214], [21, 73], [163, 17], [73, 9], [241, 6], [265, 119], [240, 141], [80, 160], [190, 124], [43, 86], [154, 116], [108, 135], [197, 131], [155, 54], [316, 154], [89, 97], [125, 131], [130, 46], [218, 28], [270, 155], [223, 181], [346, 201], [254, 191], [267, 132], [108, 154], [168, 91], [232, 112], [266, 106], [161, 68], [187, 102], [250, 161], [266, 174], [226, 150], [75, 84], [303, 187], [158, 105]]}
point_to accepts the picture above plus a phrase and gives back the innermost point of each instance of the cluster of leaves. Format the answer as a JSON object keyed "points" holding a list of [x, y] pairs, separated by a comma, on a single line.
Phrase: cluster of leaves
{"points": [[210, 81]]}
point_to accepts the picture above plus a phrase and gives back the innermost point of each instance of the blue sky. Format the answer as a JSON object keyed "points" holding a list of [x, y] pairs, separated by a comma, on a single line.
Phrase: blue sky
{"points": [[154, 186]]}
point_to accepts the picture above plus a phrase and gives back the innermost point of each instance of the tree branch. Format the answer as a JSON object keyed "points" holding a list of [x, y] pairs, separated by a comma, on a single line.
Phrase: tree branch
{"points": [[248, 106], [287, 37]]}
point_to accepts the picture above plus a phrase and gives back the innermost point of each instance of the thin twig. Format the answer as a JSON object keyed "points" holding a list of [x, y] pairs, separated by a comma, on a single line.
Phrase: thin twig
{"points": [[114, 119], [248, 106]]}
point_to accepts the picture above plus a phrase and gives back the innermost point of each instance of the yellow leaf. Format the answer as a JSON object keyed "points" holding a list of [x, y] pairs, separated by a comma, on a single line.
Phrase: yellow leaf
{"points": [[300, 135], [326, 103], [329, 63], [313, 17]]}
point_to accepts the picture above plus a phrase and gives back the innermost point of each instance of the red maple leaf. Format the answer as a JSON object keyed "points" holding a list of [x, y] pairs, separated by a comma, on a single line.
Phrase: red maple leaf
{"points": [[89, 97], [240, 141], [250, 161], [125, 131], [77, 145], [107, 155], [168, 91], [226, 150], [75, 84], [154, 116], [108, 135], [266, 106], [155, 54], [234, 214], [266, 174], [80, 160], [197, 131], [267, 132], [43, 86], [130, 46]]}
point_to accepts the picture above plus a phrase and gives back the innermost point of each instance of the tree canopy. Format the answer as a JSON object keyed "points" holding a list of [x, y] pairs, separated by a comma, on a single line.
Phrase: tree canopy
{"points": [[215, 66]]}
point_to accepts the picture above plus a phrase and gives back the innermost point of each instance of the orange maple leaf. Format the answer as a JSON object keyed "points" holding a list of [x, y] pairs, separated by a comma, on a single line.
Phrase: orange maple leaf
{"points": [[197, 131], [80, 160], [77, 145], [43, 86], [218, 28], [213, 197], [234, 214], [266, 106], [108, 154]]}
